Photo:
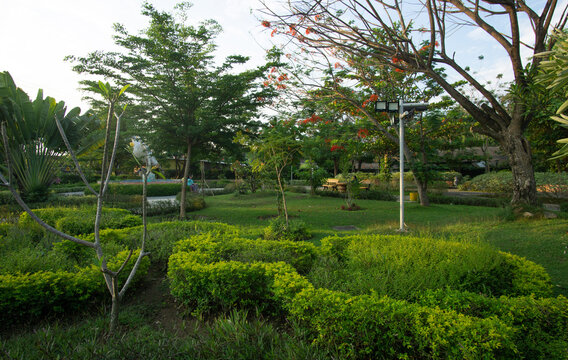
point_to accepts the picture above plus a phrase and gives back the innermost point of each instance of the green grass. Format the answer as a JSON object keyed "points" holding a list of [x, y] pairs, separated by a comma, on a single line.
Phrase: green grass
{"points": [[542, 241]]}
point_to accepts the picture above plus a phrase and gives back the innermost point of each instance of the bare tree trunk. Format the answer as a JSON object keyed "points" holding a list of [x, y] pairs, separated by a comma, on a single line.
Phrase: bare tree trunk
{"points": [[422, 188], [281, 188], [115, 305], [184, 181]]}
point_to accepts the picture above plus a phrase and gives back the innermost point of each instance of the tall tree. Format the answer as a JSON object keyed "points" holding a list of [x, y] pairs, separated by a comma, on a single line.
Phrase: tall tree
{"points": [[385, 33], [185, 101]]}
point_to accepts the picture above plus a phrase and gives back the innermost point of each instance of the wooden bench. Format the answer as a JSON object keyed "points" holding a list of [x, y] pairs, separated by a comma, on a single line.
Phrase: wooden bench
{"points": [[365, 184], [331, 184]]}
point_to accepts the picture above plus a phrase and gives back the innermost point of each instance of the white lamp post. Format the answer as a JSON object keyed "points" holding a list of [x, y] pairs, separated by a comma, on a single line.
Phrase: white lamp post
{"points": [[401, 108]]}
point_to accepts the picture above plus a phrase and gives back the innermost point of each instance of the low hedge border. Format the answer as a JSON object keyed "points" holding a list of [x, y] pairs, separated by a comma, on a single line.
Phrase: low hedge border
{"points": [[77, 221], [32, 295], [364, 326]]}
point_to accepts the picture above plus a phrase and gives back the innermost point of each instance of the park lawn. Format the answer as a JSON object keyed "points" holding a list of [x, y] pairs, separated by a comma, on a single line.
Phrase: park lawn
{"points": [[540, 240]]}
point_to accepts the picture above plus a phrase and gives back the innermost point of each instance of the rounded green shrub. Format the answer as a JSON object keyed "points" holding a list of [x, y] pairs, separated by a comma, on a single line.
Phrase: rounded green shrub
{"points": [[296, 230]]}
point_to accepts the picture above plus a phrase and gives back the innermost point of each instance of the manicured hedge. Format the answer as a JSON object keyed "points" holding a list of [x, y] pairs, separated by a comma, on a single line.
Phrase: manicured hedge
{"points": [[76, 221], [454, 325], [152, 189], [35, 294], [402, 266], [370, 327], [300, 255], [540, 323], [553, 184], [162, 236], [221, 286]]}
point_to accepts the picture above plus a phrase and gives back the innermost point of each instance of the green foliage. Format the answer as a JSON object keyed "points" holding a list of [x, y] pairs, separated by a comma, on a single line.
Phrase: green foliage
{"points": [[136, 189], [162, 236], [227, 247], [536, 321], [193, 202], [468, 200], [33, 139], [210, 287], [553, 74], [551, 184], [372, 327], [34, 294], [400, 267], [296, 230], [80, 220]]}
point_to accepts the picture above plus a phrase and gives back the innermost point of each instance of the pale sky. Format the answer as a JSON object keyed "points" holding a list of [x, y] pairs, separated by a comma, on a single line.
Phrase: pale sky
{"points": [[38, 34]]}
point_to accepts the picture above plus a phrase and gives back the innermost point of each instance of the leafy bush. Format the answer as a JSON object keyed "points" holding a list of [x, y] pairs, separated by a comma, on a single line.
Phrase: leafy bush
{"points": [[552, 184], [152, 189], [368, 195], [403, 266], [372, 327], [536, 321], [296, 230], [219, 247], [162, 236], [193, 201], [34, 294], [467, 200], [211, 287], [77, 221]]}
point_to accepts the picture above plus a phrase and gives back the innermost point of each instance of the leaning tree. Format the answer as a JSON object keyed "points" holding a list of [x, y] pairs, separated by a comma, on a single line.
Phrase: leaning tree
{"points": [[395, 33]]}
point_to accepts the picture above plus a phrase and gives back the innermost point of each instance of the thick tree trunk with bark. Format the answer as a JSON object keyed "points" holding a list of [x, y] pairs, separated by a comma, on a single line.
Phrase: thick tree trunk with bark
{"points": [[518, 151]]}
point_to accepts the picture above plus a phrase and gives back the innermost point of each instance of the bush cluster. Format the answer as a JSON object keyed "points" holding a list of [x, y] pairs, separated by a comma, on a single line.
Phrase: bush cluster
{"points": [[296, 230], [400, 267], [551, 184], [44, 292], [372, 326], [77, 221]]}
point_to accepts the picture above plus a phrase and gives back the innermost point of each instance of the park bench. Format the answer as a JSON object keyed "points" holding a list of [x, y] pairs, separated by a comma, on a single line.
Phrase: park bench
{"points": [[365, 184], [331, 184]]}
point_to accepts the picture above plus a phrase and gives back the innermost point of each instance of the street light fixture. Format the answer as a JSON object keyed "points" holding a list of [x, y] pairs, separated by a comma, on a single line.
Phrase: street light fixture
{"points": [[403, 109]]}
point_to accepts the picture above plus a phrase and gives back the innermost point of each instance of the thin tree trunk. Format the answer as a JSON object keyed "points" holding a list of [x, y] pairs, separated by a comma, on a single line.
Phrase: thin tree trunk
{"points": [[184, 182], [115, 305], [278, 176]]}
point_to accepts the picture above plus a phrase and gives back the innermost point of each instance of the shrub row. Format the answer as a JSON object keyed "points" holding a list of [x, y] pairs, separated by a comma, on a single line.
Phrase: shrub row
{"points": [[152, 189], [468, 200], [364, 326], [76, 221], [219, 247], [552, 184], [34, 294], [403, 266], [366, 195], [540, 324], [162, 236]]}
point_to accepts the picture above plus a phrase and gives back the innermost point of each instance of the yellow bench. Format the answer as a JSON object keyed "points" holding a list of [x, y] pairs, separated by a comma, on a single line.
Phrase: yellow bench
{"points": [[331, 184], [365, 184]]}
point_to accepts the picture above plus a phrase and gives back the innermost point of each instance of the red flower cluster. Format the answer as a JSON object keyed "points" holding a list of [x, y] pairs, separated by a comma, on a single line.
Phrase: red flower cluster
{"points": [[312, 119], [336, 147], [337, 65], [396, 60], [309, 30], [273, 32], [283, 77], [265, 23], [363, 133], [373, 97], [399, 70]]}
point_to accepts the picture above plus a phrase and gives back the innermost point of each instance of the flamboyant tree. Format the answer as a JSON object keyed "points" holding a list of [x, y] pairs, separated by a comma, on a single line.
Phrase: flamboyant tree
{"points": [[185, 101], [388, 33]]}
